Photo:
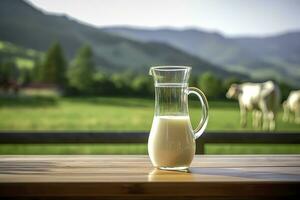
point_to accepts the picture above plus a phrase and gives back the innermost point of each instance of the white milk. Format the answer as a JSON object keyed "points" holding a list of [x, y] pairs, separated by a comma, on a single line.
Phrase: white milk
{"points": [[171, 141]]}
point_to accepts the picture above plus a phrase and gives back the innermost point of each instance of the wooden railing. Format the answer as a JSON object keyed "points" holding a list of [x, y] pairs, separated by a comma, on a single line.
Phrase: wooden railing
{"points": [[142, 137]]}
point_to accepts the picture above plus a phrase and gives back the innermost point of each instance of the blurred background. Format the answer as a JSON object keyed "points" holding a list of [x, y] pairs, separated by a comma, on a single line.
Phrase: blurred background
{"points": [[83, 65]]}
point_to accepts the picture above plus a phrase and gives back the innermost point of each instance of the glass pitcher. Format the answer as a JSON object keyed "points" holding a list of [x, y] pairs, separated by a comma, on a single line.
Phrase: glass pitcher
{"points": [[171, 143]]}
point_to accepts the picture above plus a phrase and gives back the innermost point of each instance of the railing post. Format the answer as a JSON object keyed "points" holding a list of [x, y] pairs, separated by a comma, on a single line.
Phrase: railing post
{"points": [[200, 148]]}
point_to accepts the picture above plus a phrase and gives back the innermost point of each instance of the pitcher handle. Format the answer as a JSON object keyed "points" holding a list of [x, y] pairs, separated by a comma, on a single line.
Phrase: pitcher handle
{"points": [[203, 122]]}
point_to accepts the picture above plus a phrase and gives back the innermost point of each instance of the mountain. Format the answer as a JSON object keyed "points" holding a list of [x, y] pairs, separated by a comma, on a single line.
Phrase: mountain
{"points": [[24, 25], [284, 46], [260, 57], [193, 41]]}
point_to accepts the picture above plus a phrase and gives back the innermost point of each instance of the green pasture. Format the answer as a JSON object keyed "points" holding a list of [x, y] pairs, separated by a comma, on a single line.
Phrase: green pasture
{"points": [[109, 114], [116, 114]]}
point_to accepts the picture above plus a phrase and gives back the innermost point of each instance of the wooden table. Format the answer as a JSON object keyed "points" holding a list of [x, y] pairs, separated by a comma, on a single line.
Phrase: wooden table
{"points": [[123, 177]]}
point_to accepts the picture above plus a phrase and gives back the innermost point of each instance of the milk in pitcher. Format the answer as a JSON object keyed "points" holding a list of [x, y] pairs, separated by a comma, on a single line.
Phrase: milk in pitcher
{"points": [[171, 141]]}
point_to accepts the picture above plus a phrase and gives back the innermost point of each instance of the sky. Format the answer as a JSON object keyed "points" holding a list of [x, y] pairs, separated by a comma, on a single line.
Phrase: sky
{"points": [[230, 17]]}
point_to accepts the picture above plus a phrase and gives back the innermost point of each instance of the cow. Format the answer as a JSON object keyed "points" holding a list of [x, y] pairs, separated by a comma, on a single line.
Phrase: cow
{"points": [[263, 99], [292, 106]]}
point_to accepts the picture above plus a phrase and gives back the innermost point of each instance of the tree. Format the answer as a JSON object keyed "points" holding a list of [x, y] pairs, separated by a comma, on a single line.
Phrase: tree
{"points": [[103, 85], [80, 73], [210, 85], [122, 82], [8, 74], [285, 90], [25, 76], [53, 70], [142, 85], [37, 70], [227, 83]]}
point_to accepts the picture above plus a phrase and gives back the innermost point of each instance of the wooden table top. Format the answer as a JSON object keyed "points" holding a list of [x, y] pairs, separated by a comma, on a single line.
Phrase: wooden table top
{"points": [[116, 176]]}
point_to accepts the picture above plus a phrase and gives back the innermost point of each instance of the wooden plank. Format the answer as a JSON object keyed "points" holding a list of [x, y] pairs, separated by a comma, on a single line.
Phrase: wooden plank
{"points": [[246, 138], [45, 137], [155, 191], [251, 138], [133, 176], [200, 146], [142, 137]]}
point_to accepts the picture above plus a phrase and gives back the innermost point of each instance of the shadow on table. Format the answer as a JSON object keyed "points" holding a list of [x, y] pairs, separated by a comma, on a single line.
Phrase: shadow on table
{"points": [[263, 175], [195, 172]]}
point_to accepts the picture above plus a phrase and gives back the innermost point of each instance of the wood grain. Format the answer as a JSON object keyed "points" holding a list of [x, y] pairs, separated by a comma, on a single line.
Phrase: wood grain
{"points": [[113, 176]]}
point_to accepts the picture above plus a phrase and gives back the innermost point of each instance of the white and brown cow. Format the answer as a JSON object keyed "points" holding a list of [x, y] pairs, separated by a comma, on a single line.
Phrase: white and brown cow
{"points": [[262, 99], [291, 107]]}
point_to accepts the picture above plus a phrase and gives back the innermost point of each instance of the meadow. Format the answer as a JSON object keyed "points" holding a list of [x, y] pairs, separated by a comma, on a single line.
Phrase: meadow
{"points": [[117, 114]]}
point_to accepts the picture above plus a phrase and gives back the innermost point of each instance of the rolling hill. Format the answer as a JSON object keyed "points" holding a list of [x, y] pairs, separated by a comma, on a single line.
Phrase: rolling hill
{"points": [[24, 58], [32, 28], [260, 57]]}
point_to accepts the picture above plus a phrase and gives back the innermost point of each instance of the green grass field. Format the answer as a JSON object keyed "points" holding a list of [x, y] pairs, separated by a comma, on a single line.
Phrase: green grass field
{"points": [[113, 114], [116, 114]]}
